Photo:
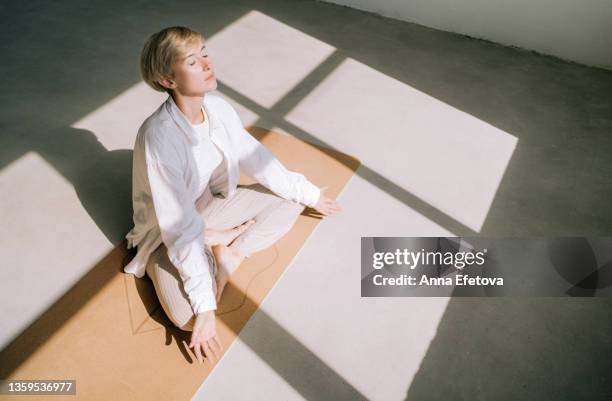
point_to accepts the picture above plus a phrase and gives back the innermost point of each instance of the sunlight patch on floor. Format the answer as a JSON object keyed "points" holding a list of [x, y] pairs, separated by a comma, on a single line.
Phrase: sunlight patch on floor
{"points": [[446, 157]]}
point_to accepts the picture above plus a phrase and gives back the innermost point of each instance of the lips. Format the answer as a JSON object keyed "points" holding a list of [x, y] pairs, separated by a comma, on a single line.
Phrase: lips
{"points": [[210, 77]]}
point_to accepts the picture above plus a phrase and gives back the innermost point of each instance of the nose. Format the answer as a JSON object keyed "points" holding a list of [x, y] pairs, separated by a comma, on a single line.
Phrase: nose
{"points": [[205, 61]]}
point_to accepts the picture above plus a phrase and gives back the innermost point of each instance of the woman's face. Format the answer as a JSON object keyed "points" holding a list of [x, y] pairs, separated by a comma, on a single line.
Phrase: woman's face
{"points": [[193, 73]]}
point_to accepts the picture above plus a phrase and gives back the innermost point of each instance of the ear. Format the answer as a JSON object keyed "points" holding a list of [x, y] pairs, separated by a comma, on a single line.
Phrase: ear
{"points": [[167, 83]]}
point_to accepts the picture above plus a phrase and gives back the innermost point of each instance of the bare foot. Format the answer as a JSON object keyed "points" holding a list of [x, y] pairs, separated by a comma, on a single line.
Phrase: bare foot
{"points": [[228, 260], [225, 237]]}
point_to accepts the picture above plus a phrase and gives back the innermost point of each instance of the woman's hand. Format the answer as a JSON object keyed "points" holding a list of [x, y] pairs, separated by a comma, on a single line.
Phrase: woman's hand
{"points": [[327, 206], [204, 337]]}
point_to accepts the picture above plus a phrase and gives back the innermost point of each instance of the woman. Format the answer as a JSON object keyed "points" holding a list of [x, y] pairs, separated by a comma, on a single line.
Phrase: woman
{"points": [[192, 224]]}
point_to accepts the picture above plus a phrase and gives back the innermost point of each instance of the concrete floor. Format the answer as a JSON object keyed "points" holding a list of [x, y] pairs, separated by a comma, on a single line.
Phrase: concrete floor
{"points": [[457, 137]]}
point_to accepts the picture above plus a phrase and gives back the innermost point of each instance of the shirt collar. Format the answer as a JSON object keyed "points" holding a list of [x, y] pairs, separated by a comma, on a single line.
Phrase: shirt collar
{"points": [[184, 124]]}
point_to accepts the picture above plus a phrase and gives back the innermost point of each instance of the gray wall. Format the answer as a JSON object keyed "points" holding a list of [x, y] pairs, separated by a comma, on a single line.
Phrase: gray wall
{"points": [[573, 30]]}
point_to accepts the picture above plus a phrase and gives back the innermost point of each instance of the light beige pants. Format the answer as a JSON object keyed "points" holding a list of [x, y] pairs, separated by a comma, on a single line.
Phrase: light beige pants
{"points": [[274, 217]]}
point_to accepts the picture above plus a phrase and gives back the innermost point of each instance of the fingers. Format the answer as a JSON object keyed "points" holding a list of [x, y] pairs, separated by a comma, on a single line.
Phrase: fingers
{"points": [[209, 352], [328, 212], [195, 344], [198, 353], [215, 346], [334, 207], [218, 343], [194, 336], [329, 207], [211, 348]]}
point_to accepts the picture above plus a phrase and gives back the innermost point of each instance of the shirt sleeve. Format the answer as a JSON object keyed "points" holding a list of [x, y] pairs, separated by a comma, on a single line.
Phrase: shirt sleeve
{"points": [[181, 226], [259, 163]]}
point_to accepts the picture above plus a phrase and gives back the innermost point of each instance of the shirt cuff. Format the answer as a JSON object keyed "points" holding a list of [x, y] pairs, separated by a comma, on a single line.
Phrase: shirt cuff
{"points": [[311, 195], [204, 305]]}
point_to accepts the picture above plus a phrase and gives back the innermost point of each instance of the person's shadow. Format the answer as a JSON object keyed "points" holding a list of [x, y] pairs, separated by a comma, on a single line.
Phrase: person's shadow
{"points": [[102, 179]]}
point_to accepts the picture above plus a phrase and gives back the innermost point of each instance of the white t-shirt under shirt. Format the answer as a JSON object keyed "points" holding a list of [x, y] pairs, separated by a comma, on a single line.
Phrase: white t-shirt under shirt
{"points": [[211, 157]]}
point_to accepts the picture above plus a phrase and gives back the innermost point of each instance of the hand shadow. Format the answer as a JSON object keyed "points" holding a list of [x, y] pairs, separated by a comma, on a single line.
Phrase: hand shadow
{"points": [[313, 213]]}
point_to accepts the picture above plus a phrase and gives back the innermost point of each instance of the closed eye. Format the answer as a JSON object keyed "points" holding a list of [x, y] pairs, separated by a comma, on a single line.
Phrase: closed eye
{"points": [[205, 55]]}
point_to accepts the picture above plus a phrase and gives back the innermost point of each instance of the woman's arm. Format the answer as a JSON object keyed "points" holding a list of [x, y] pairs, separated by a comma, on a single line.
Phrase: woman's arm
{"points": [[181, 226], [259, 163]]}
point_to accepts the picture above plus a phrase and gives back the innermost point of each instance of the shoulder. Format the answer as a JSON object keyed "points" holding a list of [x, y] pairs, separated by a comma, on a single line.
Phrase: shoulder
{"points": [[156, 127], [159, 136]]}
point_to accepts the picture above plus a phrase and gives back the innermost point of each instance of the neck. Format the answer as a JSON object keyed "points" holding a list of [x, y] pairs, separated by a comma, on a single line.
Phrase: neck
{"points": [[191, 106]]}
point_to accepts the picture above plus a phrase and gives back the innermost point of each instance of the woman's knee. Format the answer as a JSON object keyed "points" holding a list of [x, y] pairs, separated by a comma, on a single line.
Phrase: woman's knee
{"points": [[287, 214], [295, 207], [169, 289], [177, 318]]}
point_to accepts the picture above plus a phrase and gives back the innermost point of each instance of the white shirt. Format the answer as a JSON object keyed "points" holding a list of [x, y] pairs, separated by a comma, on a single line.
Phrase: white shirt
{"points": [[169, 177]]}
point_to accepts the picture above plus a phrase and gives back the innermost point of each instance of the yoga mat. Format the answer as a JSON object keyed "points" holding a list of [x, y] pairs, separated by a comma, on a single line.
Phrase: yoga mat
{"points": [[109, 332]]}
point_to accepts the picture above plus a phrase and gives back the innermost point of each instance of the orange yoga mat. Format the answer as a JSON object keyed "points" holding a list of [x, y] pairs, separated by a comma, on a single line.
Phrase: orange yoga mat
{"points": [[110, 334]]}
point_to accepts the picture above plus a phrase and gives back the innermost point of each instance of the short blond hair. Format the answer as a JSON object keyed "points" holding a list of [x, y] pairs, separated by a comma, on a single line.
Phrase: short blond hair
{"points": [[162, 50]]}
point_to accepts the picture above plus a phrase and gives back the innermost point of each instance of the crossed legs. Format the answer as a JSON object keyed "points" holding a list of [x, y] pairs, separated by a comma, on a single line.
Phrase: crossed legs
{"points": [[272, 218]]}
